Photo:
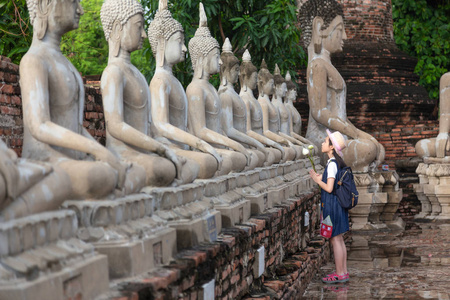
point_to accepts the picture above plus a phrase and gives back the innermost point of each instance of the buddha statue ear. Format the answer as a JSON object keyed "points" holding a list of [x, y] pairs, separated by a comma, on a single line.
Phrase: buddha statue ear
{"points": [[115, 37], [161, 52], [317, 34], [199, 67], [41, 21], [224, 79]]}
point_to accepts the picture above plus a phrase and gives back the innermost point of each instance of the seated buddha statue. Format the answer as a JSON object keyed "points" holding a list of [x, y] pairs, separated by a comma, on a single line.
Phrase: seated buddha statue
{"points": [[234, 112], [204, 105], [53, 110], [324, 34], [438, 148], [271, 116], [249, 80], [126, 100]]}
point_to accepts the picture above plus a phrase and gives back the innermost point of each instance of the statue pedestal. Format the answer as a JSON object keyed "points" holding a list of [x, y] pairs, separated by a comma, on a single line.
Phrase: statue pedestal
{"points": [[127, 231], [41, 259], [418, 189], [188, 212], [360, 213], [394, 196]]}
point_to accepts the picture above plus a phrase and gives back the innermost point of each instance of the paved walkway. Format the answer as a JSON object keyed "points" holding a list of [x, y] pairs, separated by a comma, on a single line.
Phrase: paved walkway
{"points": [[412, 264]]}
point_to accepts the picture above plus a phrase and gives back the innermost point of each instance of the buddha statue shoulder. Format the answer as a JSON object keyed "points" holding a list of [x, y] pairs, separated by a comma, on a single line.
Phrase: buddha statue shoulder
{"points": [[438, 149], [126, 100], [204, 106], [323, 32], [53, 104], [169, 105]]}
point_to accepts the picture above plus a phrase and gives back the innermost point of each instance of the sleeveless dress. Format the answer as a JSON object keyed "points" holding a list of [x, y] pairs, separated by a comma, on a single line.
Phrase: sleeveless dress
{"points": [[331, 208]]}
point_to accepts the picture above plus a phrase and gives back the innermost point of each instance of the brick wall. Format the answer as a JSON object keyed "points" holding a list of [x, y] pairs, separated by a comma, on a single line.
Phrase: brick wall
{"points": [[11, 128], [289, 266]]}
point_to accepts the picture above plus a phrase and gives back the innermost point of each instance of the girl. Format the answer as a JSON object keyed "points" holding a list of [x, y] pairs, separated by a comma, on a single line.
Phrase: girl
{"points": [[331, 209]]}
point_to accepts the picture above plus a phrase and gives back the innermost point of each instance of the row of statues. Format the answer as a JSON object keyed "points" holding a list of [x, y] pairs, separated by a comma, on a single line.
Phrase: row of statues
{"points": [[156, 135]]}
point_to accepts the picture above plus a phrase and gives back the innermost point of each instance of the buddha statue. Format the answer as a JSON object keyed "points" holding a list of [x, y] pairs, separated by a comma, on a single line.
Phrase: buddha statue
{"points": [[169, 102], [126, 100], [438, 149], [53, 104], [204, 107], [295, 120], [233, 107], [248, 78], [324, 34], [29, 187], [277, 101], [271, 117]]}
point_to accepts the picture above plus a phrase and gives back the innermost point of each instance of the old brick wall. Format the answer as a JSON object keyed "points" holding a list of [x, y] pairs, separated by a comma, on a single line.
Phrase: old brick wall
{"points": [[289, 265], [11, 125]]}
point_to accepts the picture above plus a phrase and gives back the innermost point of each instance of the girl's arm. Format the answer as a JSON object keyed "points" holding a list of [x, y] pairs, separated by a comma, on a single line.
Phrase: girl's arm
{"points": [[328, 187]]}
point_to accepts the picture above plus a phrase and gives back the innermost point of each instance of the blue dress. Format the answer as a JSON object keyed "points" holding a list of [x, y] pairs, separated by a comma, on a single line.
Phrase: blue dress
{"points": [[331, 207]]}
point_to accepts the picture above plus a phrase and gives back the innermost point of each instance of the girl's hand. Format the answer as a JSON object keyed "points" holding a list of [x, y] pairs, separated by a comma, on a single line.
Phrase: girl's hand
{"points": [[316, 177]]}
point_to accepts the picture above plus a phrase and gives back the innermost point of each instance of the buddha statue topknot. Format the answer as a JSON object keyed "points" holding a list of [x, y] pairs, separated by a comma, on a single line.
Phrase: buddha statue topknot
{"points": [[126, 100], [323, 32], [169, 105]]}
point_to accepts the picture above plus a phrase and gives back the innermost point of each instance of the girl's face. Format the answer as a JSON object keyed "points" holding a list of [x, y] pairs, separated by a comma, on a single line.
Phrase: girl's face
{"points": [[326, 148]]}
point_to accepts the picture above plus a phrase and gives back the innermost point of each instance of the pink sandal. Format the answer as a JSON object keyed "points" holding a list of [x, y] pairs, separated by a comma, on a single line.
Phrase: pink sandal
{"points": [[334, 278]]}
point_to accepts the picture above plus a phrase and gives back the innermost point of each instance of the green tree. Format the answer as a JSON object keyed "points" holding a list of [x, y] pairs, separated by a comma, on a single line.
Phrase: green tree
{"points": [[422, 29], [15, 29]]}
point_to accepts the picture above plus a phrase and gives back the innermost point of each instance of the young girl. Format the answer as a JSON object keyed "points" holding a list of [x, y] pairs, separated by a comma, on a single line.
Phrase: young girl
{"points": [[330, 206]]}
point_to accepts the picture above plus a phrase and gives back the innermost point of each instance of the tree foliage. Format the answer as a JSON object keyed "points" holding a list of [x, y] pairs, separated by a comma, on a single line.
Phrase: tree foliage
{"points": [[422, 29]]}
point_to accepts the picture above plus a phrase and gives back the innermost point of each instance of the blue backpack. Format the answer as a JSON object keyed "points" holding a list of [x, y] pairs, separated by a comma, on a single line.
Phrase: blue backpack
{"points": [[345, 188]]}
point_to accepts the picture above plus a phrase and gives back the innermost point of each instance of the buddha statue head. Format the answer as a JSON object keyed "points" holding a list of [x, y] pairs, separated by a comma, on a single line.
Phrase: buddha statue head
{"points": [[265, 80], [166, 36], [229, 70], [249, 73], [280, 83], [58, 16], [123, 25], [291, 88], [204, 49], [322, 25]]}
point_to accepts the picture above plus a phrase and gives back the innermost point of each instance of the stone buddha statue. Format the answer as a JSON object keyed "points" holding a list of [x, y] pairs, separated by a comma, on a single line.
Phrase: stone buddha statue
{"points": [[234, 112], [204, 106], [169, 102], [295, 120], [29, 187], [438, 149], [324, 34], [277, 101], [53, 104], [126, 100], [248, 79], [271, 117]]}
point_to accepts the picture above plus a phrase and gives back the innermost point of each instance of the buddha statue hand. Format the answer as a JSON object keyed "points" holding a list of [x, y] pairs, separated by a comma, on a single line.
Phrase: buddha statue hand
{"points": [[442, 144], [9, 171], [205, 147], [120, 167], [249, 156], [178, 161]]}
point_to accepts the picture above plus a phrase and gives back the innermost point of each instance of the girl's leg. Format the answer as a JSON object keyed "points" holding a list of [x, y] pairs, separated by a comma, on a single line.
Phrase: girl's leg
{"points": [[345, 254], [338, 254]]}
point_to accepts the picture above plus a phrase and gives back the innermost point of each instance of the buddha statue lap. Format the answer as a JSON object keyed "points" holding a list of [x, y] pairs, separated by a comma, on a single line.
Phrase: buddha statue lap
{"points": [[270, 116], [126, 100], [249, 80], [234, 112], [29, 187], [53, 103], [438, 149], [283, 112], [324, 34], [204, 107], [169, 102]]}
